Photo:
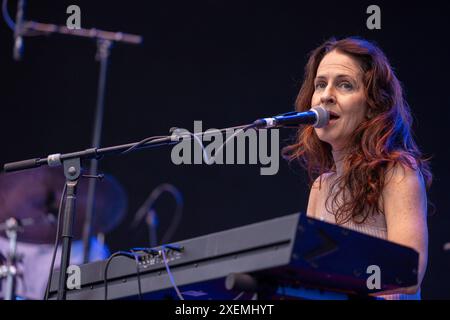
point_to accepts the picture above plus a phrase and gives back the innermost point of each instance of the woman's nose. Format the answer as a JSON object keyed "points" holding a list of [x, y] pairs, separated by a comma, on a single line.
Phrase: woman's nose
{"points": [[327, 97]]}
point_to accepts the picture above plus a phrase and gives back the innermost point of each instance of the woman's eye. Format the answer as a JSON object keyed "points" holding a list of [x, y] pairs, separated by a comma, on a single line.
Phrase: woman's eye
{"points": [[320, 85], [346, 85]]}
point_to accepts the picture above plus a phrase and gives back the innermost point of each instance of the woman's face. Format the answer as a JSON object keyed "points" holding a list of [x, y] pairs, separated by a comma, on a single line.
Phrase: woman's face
{"points": [[339, 88]]}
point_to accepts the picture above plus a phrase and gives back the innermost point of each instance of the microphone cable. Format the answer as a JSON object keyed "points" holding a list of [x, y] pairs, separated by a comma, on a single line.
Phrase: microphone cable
{"points": [[55, 248]]}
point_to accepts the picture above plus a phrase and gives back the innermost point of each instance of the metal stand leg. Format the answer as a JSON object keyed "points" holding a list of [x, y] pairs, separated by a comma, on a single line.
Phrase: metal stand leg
{"points": [[103, 52], [10, 270], [72, 171]]}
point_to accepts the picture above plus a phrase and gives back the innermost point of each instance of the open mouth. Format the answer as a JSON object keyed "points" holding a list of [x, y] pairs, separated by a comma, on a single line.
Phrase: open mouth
{"points": [[334, 116]]}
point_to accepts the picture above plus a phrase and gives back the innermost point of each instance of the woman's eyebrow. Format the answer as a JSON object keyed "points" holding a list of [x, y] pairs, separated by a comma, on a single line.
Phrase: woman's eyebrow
{"points": [[339, 76]]}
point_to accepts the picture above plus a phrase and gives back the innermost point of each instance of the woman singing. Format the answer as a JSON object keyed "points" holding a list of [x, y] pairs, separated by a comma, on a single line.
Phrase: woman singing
{"points": [[366, 171]]}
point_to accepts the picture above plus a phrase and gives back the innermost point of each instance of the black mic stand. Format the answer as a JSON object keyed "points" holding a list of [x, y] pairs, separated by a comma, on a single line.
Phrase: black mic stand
{"points": [[103, 53], [72, 172], [72, 165], [105, 40]]}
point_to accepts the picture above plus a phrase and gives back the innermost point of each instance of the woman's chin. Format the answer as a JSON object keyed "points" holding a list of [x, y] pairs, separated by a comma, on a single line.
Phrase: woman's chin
{"points": [[329, 140], [326, 137]]}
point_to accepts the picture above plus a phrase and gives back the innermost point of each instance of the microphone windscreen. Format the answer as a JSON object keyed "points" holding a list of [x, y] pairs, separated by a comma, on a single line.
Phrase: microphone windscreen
{"points": [[323, 116]]}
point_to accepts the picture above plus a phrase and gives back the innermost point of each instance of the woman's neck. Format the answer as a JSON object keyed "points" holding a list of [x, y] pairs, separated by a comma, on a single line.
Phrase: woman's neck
{"points": [[338, 157]]}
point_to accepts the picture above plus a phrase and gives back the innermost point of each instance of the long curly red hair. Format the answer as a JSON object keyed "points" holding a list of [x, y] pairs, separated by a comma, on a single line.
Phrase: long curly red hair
{"points": [[383, 139]]}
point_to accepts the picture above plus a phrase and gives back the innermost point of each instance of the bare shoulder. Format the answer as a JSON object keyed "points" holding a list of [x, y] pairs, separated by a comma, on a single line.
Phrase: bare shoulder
{"points": [[314, 194], [405, 208], [399, 175], [404, 193], [322, 180]]}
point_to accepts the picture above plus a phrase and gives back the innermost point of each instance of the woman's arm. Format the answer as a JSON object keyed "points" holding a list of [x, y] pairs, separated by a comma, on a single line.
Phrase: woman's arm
{"points": [[405, 207]]}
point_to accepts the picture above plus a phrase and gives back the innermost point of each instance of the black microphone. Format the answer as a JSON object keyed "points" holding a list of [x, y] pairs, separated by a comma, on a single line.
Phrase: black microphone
{"points": [[18, 31], [317, 116]]}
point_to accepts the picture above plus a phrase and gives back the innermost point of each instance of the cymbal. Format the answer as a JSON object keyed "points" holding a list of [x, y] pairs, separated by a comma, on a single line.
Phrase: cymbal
{"points": [[36, 194]]}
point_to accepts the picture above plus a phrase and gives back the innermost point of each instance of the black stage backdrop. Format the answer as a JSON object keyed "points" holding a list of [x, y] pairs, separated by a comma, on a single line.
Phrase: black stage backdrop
{"points": [[225, 63]]}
